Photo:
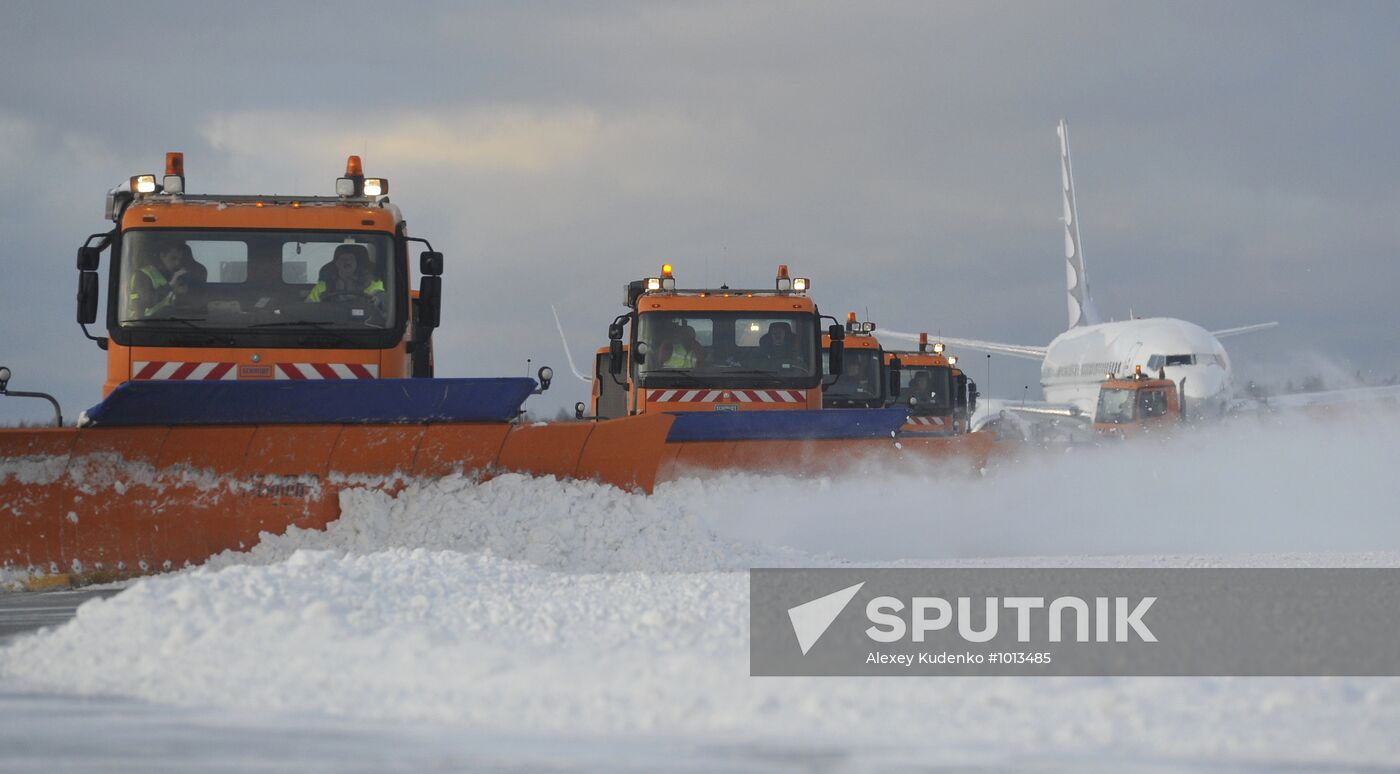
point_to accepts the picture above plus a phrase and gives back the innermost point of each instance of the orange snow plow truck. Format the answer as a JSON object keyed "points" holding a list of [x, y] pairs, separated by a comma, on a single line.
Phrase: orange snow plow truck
{"points": [[1137, 404], [713, 349], [265, 352], [940, 397]]}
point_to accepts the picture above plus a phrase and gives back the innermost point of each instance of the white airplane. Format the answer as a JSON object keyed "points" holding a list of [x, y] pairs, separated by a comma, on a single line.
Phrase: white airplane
{"points": [[1078, 361]]}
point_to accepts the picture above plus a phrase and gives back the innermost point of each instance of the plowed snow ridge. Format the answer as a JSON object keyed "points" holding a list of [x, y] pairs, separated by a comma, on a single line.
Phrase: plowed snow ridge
{"points": [[1270, 486]]}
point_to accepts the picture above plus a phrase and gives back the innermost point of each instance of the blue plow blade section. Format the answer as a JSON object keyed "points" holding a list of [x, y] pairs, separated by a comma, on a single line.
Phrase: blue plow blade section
{"points": [[366, 401], [785, 425]]}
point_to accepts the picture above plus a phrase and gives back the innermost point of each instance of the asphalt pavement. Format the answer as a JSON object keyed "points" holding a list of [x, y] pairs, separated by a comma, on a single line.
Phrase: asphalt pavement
{"points": [[24, 611]]}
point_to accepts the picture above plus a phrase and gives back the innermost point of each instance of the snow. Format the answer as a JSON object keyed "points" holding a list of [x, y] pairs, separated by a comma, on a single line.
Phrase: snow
{"points": [[589, 625]]}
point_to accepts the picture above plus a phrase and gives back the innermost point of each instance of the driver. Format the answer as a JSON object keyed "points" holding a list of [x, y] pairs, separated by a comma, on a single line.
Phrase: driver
{"points": [[349, 279], [165, 282], [778, 345], [858, 378], [920, 388]]}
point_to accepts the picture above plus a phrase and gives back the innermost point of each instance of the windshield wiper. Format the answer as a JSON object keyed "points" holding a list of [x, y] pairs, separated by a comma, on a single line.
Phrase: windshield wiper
{"points": [[323, 326], [188, 322], [677, 374], [291, 323]]}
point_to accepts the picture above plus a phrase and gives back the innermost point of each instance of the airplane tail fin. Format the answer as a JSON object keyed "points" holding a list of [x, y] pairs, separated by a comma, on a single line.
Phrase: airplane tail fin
{"points": [[1081, 304]]}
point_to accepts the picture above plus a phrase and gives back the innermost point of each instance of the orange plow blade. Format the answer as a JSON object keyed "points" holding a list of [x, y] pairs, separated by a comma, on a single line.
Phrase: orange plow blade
{"points": [[106, 502]]}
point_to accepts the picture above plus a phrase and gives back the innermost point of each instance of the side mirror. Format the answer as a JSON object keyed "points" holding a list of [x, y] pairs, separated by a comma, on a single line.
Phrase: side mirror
{"points": [[429, 301], [89, 258], [578, 410], [639, 352], [430, 263], [87, 297], [615, 357], [896, 376], [615, 331]]}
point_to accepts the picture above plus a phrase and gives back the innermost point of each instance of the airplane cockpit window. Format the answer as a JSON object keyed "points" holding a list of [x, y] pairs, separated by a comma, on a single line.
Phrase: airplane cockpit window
{"points": [[1158, 361]]}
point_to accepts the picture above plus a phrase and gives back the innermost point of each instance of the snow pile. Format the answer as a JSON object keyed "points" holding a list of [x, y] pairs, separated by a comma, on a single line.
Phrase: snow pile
{"points": [[438, 635], [495, 646], [572, 526]]}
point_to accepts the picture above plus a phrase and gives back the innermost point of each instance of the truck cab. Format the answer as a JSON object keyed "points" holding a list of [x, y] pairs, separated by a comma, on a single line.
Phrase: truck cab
{"points": [[248, 287], [863, 380], [1136, 404], [713, 349], [939, 396]]}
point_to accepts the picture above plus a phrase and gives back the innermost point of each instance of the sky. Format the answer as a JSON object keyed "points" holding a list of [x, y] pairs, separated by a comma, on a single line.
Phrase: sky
{"points": [[1234, 162]]}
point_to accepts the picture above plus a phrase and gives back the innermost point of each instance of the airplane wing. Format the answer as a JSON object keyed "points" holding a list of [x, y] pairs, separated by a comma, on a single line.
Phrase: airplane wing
{"points": [[1014, 350], [1220, 334], [1032, 420], [567, 354]]}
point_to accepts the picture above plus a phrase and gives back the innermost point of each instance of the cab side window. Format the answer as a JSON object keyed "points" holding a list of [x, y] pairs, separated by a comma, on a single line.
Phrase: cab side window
{"points": [[1153, 403]]}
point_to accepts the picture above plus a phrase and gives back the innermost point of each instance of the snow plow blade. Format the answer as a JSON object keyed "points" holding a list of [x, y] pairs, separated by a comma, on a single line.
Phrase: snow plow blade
{"points": [[163, 475]]}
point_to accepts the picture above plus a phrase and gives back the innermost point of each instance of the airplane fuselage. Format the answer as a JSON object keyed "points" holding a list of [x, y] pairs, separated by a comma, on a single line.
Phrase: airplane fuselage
{"points": [[1078, 361]]}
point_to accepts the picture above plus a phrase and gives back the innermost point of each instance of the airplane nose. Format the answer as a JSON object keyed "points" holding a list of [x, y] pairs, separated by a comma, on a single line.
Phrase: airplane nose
{"points": [[1205, 390], [1207, 382]]}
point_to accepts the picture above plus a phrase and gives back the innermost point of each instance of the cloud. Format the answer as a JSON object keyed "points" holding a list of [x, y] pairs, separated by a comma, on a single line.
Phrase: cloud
{"points": [[1234, 163], [492, 139]]}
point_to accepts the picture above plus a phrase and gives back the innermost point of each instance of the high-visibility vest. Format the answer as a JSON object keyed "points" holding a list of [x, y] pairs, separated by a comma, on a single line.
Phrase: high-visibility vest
{"points": [[680, 357], [158, 281], [375, 286]]}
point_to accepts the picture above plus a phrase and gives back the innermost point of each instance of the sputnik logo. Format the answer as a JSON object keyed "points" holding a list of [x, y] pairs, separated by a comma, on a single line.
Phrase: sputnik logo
{"points": [[810, 620]]}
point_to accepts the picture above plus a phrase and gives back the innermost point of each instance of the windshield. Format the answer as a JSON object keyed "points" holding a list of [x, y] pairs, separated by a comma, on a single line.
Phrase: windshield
{"points": [[718, 347], [859, 381], [1115, 405], [931, 386], [256, 279]]}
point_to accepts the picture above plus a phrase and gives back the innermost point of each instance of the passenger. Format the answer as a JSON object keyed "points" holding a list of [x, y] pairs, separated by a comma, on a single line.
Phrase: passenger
{"points": [[682, 350], [168, 281], [351, 279]]}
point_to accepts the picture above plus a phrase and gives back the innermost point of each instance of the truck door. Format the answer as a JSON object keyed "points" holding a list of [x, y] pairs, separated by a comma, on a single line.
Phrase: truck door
{"points": [[611, 400], [1152, 405]]}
